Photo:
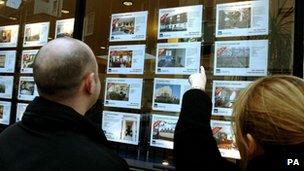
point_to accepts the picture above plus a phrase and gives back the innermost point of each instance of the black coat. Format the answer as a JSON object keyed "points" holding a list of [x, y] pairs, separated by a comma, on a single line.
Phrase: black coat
{"points": [[52, 137], [196, 149]]}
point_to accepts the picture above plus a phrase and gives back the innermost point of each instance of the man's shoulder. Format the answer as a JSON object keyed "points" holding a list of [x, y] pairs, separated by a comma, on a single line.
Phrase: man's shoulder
{"points": [[66, 149], [81, 150], [93, 161], [10, 131], [91, 156]]}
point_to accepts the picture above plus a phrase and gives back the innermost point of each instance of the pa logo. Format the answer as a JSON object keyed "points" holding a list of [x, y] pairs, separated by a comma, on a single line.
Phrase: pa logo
{"points": [[293, 162]]}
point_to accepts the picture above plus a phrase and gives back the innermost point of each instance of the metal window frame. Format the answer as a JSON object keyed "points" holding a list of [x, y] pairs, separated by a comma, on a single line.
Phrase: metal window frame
{"points": [[298, 39], [80, 9]]}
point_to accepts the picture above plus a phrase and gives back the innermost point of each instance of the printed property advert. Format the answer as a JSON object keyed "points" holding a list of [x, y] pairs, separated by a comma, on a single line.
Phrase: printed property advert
{"points": [[129, 26], [162, 131], [128, 59], [36, 34], [27, 89], [225, 139], [7, 61], [123, 92], [178, 58], [9, 36], [6, 87], [247, 18], [168, 94], [121, 127], [224, 95], [181, 22], [241, 58]]}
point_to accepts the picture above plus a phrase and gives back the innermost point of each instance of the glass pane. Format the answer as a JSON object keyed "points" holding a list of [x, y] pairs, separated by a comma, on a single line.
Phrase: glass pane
{"points": [[234, 40], [25, 26]]}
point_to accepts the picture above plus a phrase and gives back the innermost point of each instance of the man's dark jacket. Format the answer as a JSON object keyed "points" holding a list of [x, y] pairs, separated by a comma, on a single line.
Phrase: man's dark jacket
{"points": [[196, 149], [52, 137]]}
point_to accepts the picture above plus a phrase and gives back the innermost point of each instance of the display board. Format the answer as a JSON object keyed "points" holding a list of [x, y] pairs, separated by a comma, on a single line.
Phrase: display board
{"points": [[128, 59], [241, 58], [225, 139], [224, 94], [27, 89], [9, 36], [121, 127], [21, 107], [180, 22], [162, 130], [6, 87], [129, 26], [27, 60], [123, 92], [247, 18], [7, 61], [5, 111], [178, 58], [64, 28], [36, 34], [168, 93]]}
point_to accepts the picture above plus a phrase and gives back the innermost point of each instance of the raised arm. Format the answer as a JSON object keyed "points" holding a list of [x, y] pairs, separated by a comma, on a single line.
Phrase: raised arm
{"points": [[194, 145]]}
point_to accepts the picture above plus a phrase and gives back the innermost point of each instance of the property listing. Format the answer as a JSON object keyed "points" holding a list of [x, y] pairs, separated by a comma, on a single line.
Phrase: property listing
{"points": [[178, 58], [123, 92], [121, 127]]}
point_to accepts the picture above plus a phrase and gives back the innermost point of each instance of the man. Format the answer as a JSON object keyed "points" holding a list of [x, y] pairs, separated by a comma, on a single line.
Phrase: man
{"points": [[54, 134]]}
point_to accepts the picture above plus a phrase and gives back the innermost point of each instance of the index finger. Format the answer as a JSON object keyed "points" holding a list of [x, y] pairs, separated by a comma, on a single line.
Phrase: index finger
{"points": [[203, 70]]}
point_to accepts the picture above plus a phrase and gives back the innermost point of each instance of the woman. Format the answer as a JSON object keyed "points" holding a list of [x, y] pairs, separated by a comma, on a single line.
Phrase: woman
{"points": [[269, 127]]}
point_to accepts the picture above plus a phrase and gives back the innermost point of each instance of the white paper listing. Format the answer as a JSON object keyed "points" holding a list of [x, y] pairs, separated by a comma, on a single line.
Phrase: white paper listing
{"points": [[178, 58], [247, 18], [123, 92], [27, 60], [27, 89], [9, 36], [126, 59], [129, 26], [180, 22], [168, 94], [36, 34], [121, 127], [225, 139], [21, 107], [241, 58], [162, 131], [224, 95], [64, 28], [6, 87], [7, 61], [5, 111]]}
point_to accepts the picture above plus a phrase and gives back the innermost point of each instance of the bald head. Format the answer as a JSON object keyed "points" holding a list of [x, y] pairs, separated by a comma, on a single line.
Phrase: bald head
{"points": [[61, 65]]}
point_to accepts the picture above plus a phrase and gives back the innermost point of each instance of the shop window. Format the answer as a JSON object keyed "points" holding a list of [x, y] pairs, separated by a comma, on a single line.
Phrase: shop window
{"points": [[25, 26], [147, 49]]}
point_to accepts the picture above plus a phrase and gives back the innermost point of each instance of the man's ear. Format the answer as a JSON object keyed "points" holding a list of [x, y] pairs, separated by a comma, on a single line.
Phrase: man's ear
{"points": [[90, 83], [252, 146]]}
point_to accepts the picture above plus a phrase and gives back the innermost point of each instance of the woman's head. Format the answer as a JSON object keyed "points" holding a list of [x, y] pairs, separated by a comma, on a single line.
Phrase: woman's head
{"points": [[271, 110]]}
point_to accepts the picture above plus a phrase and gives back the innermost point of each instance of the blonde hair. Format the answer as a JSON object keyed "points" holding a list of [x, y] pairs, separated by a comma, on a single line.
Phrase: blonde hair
{"points": [[272, 110]]}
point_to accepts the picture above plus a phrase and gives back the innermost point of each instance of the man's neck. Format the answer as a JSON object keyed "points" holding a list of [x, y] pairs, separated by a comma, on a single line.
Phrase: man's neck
{"points": [[77, 104]]}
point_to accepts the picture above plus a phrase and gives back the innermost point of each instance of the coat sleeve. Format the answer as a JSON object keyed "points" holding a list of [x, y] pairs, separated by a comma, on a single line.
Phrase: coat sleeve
{"points": [[194, 145]]}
